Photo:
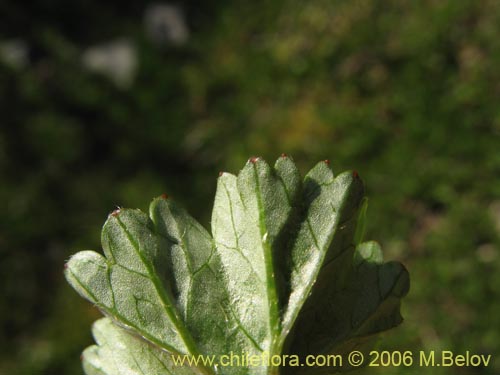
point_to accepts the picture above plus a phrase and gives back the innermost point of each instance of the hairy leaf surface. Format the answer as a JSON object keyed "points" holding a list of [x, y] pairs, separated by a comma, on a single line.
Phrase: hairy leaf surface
{"points": [[283, 271]]}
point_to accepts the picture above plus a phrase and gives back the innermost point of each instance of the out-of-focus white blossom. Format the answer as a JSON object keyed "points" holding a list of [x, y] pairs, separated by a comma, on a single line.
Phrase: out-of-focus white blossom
{"points": [[117, 60]]}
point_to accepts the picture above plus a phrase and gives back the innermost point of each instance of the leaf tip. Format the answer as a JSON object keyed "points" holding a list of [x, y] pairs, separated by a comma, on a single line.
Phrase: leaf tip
{"points": [[115, 212], [355, 174], [164, 196], [221, 173], [327, 162], [283, 155], [254, 159]]}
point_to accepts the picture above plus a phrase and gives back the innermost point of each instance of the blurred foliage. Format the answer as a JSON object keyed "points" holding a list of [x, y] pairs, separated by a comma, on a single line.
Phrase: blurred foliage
{"points": [[405, 92]]}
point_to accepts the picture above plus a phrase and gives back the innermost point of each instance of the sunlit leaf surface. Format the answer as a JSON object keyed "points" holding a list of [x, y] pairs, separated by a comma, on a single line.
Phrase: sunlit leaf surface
{"points": [[284, 271]]}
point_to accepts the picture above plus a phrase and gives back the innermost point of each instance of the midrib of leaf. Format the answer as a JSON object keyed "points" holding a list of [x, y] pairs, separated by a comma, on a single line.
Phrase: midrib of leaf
{"points": [[126, 323], [272, 295], [123, 320], [164, 298]]}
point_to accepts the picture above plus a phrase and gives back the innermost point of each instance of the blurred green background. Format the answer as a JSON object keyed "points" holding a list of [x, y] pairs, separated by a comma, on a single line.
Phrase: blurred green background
{"points": [[106, 104]]}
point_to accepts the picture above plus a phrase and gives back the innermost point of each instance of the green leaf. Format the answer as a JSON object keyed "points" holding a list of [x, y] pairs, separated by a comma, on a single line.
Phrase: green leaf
{"points": [[283, 271], [120, 352]]}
